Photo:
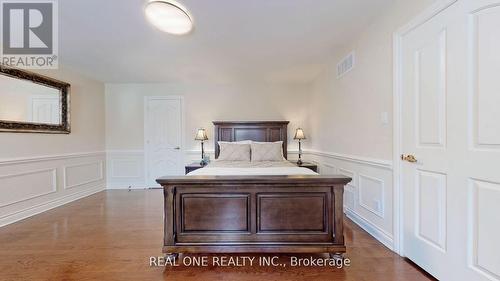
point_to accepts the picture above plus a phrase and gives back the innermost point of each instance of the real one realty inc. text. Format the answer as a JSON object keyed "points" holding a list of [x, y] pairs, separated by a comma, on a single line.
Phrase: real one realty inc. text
{"points": [[242, 261]]}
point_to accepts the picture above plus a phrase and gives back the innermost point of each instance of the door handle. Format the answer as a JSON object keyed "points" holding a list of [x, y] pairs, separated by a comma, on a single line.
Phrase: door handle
{"points": [[410, 158], [177, 148]]}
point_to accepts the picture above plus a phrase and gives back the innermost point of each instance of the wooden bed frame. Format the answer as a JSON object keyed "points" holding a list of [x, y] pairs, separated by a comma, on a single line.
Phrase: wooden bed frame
{"points": [[253, 214]]}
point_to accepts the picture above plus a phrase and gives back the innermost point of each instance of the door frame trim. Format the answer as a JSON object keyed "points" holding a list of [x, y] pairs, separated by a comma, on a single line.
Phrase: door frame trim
{"points": [[398, 35], [146, 100]]}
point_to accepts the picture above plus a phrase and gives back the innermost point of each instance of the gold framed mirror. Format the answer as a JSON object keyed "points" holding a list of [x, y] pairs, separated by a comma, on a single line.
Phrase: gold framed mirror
{"points": [[33, 103]]}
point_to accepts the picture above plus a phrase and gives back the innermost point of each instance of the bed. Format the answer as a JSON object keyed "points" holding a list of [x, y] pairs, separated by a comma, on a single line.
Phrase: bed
{"points": [[265, 207]]}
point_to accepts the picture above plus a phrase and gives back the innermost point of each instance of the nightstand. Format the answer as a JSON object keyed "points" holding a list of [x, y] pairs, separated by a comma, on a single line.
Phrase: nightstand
{"points": [[193, 166], [309, 165]]}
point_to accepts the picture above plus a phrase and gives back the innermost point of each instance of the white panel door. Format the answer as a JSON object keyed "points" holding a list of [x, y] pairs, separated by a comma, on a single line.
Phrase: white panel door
{"points": [[163, 138], [45, 110], [450, 122]]}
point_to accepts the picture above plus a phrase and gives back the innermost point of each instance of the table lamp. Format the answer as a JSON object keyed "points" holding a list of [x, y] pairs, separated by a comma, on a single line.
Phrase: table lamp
{"points": [[299, 135], [201, 135]]}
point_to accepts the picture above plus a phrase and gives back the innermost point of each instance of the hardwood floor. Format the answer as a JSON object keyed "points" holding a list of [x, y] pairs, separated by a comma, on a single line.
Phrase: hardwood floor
{"points": [[112, 235]]}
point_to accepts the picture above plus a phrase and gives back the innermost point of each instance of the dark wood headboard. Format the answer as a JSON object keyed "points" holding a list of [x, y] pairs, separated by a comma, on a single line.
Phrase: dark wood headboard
{"points": [[266, 131]]}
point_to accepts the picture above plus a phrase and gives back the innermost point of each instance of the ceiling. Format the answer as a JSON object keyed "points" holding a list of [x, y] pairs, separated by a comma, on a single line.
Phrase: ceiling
{"points": [[275, 40]]}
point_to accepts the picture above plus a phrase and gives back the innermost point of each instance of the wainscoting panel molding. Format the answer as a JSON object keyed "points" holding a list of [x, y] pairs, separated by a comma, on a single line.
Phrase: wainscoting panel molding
{"points": [[325, 168], [371, 194], [38, 183], [33, 185], [368, 198], [125, 169], [82, 174]]}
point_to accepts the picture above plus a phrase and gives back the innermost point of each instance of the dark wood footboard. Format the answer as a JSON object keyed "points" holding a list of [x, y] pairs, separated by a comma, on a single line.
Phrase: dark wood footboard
{"points": [[263, 214]]}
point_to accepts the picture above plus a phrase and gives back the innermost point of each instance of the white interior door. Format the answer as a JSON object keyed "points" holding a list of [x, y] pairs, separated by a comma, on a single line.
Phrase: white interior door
{"points": [[44, 109], [163, 138], [450, 122]]}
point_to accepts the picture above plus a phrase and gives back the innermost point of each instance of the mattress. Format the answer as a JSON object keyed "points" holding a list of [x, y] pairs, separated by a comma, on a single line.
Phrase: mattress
{"points": [[244, 168]]}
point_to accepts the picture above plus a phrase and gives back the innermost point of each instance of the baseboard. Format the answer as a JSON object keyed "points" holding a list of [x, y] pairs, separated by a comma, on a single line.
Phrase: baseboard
{"points": [[124, 187], [31, 211], [372, 229]]}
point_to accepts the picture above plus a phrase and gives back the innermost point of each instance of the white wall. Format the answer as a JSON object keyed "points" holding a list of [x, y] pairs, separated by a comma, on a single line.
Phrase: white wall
{"points": [[203, 103], [347, 133], [346, 112], [87, 123], [42, 171]]}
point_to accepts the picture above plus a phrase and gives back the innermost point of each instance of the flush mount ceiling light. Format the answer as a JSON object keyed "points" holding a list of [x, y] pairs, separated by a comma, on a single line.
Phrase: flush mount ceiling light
{"points": [[169, 16]]}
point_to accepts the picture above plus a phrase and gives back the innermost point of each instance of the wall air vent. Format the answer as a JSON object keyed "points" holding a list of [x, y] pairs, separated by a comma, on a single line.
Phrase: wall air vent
{"points": [[345, 65]]}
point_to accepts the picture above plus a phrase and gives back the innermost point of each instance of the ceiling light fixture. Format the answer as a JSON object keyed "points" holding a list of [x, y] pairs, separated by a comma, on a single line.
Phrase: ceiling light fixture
{"points": [[169, 16]]}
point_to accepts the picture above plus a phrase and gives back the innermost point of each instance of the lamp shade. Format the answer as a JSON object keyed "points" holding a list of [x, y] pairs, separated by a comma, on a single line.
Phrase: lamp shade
{"points": [[299, 134], [201, 135]]}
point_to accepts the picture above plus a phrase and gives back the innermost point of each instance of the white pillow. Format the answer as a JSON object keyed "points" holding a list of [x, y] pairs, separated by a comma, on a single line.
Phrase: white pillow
{"points": [[230, 151], [267, 151]]}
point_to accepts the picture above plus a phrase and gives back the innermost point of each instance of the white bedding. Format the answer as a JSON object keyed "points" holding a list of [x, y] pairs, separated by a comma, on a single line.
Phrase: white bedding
{"points": [[243, 168]]}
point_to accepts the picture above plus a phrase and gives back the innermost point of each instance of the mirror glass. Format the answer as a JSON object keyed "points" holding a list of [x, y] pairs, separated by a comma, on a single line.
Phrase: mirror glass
{"points": [[27, 102]]}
